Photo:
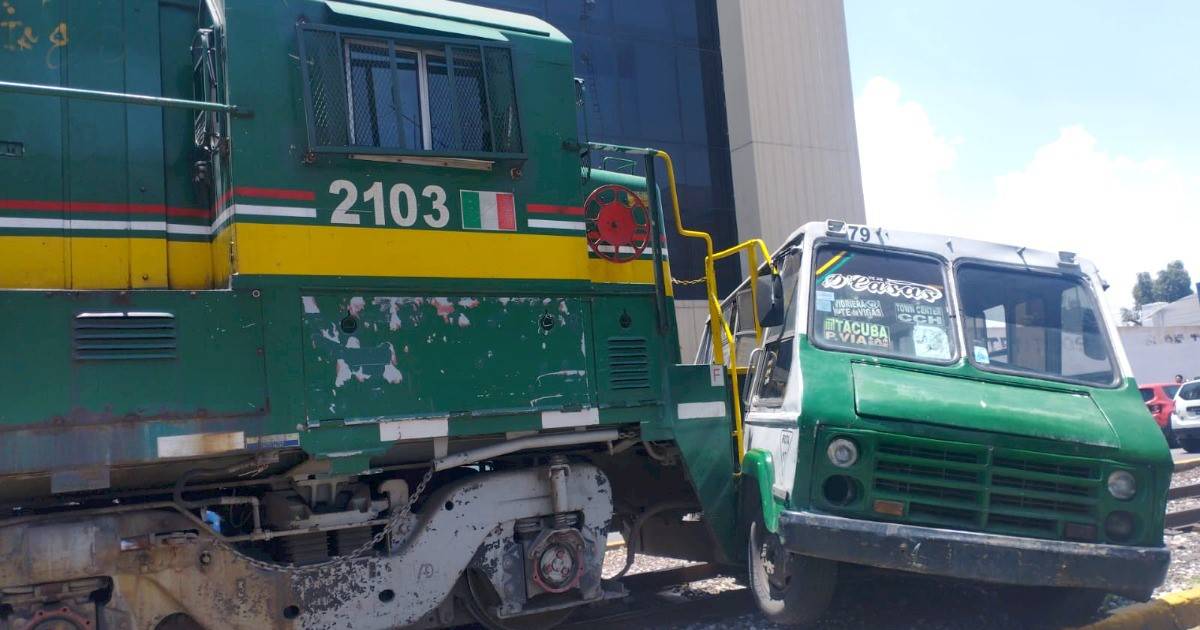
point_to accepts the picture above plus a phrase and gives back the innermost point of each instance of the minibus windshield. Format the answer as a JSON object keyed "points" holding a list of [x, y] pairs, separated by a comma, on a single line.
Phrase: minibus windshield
{"points": [[1041, 324], [882, 303]]}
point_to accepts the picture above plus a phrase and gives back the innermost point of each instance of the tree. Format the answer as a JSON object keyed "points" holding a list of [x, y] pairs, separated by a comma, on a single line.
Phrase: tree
{"points": [[1172, 283], [1143, 291]]}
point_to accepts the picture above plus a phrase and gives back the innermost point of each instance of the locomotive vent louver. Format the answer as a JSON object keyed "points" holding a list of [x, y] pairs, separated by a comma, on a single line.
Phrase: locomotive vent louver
{"points": [[134, 335], [628, 363]]}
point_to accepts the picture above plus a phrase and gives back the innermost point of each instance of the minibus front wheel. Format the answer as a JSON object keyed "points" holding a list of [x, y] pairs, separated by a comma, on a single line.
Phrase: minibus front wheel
{"points": [[789, 589]]}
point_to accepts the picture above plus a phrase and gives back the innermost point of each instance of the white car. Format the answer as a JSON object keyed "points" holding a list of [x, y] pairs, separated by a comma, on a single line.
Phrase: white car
{"points": [[1185, 420]]}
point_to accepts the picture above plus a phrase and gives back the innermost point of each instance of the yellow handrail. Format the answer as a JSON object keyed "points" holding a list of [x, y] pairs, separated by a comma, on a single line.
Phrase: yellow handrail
{"points": [[718, 327]]}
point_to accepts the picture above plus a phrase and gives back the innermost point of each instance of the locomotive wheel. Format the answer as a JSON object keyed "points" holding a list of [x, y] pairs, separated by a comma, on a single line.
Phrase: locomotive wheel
{"points": [[789, 589], [482, 597]]}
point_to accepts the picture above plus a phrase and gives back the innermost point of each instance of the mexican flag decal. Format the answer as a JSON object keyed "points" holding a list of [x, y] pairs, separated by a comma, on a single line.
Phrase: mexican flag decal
{"points": [[483, 210]]}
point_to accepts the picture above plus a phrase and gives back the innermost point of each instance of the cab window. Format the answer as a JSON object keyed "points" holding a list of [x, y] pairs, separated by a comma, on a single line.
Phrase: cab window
{"points": [[1039, 324], [779, 341], [366, 94]]}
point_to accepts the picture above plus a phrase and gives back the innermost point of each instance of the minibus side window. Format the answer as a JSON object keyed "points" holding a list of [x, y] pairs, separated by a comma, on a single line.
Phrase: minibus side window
{"points": [[780, 341]]}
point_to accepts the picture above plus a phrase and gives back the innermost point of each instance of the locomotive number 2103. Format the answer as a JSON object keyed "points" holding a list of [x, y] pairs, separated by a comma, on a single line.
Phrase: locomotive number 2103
{"points": [[400, 205]]}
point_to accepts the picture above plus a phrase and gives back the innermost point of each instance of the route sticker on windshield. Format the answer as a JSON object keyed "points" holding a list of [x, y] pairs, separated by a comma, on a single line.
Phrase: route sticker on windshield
{"points": [[930, 342], [825, 300], [857, 333], [981, 355], [915, 313], [883, 286], [858, 308]]}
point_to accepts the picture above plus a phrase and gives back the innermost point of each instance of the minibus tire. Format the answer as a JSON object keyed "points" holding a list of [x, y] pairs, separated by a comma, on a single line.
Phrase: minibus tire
{"points": [[1191, 445], [809, 586]]}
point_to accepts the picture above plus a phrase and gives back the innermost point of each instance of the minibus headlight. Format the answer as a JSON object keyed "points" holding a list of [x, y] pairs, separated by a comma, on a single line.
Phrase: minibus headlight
{"points": [[1121, 484], [1119, 526], [842, 453]]}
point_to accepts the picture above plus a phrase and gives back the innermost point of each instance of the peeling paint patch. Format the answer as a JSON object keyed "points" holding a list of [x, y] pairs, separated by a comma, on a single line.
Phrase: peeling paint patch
{"points": [[310, 305], [343, 373], [391, 374], [422, 428], [200, 444], [562, 373], [444, 307], [561, 419]]}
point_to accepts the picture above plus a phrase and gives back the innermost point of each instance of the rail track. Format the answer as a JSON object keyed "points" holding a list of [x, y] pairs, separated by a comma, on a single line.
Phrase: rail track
{"points": [[1183, 519], [652, 602]]}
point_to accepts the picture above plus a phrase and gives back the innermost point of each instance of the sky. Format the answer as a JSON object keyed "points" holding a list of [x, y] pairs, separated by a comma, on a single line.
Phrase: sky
{"points": [[1060, 125]]}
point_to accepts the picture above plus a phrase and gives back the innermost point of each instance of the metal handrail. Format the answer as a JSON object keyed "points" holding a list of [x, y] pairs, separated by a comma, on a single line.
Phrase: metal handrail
{"points": [[718, 326], [120, 97]]}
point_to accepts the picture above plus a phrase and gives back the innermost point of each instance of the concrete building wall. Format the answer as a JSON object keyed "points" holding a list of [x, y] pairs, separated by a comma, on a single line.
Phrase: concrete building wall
{"points": [[690, 316], [1158, 353], [792, 138]]}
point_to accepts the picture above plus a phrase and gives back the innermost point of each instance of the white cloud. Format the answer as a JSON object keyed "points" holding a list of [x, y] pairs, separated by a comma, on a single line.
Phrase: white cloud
{"points": [[902, 156], [1127, 215]]}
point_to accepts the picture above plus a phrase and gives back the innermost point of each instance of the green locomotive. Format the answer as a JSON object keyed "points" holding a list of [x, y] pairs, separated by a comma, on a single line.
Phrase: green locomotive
{"points": [[319, 317]]}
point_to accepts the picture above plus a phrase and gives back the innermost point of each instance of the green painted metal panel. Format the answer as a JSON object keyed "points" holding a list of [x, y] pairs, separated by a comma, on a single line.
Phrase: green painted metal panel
{"points": [[885, 392], [415, 21], [758, 467], [708, 452], [96, 378], [31, 123], [1031, 420], [217, 370], [470, 14], [386, 356], [629, 354]]}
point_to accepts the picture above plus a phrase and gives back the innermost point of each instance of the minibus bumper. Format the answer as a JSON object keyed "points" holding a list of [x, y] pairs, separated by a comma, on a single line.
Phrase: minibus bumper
{"points": [[1133, 572]]}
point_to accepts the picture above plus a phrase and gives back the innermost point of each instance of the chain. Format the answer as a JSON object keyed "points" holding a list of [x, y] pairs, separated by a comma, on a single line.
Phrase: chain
{"points": [[391, 526], [685, 282]]}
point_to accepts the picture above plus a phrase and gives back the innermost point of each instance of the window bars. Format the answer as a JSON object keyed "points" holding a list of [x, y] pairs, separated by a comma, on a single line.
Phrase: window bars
{"points": [[369, 92]]}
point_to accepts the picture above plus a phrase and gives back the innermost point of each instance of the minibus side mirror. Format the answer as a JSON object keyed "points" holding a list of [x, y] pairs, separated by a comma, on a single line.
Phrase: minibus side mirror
{"points": [[770, 300]]}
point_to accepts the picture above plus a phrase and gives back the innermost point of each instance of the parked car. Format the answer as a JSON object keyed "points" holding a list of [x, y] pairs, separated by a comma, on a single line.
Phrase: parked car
{"points": [[1185, 419], [1160, 400]]}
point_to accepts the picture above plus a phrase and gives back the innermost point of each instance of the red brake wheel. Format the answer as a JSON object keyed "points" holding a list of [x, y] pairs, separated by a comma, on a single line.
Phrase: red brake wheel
{"points": [[617, 223]]}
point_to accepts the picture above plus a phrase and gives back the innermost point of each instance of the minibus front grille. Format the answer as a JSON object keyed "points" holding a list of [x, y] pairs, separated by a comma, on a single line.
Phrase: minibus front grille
{"points": [[980, 488]]}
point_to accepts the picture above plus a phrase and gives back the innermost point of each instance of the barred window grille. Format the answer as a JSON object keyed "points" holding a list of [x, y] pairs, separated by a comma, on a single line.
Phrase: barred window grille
{"points": [[367, 94], [207, 131]]}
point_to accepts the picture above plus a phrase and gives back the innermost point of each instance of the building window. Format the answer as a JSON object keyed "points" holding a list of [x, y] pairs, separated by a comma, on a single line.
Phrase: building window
{"points": [[391, 96]]}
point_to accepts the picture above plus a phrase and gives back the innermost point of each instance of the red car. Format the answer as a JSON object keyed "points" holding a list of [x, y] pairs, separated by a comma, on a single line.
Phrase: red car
{"points": [[1160, 400]]}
